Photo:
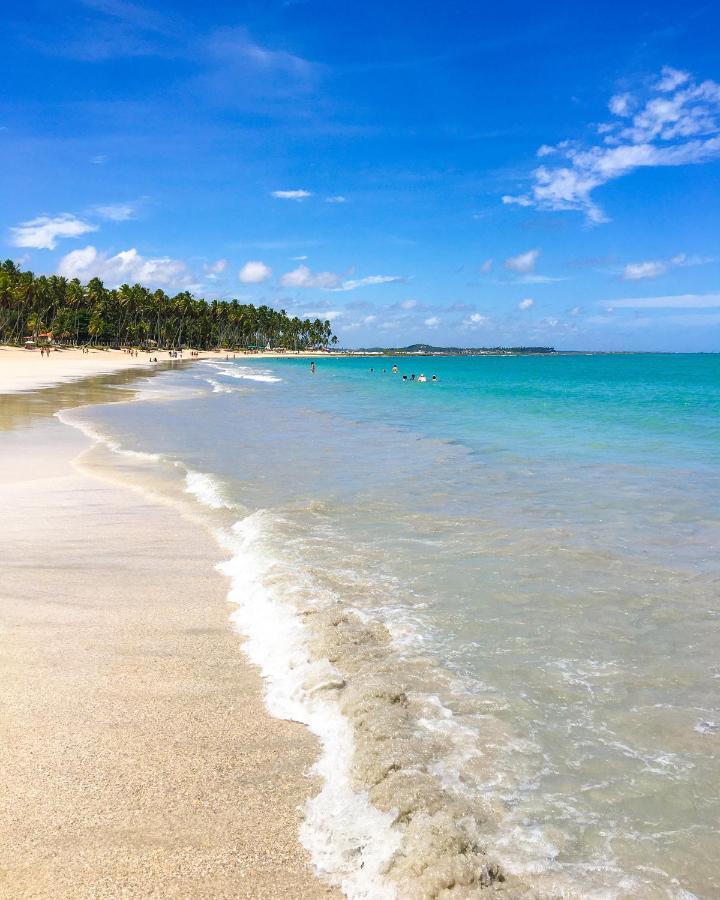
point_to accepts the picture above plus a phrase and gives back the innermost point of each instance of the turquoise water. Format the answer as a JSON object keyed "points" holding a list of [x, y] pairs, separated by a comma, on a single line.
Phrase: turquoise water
{"points": [[525, 552]]}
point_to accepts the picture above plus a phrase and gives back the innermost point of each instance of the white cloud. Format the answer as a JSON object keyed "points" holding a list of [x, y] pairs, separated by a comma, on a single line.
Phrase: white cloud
{"points": [[476, 320], [338, 198], [115, 212], [212, 270], [302, 277], [649, 269], [329, 314], [653, 268], [671, 79], [353, 283], [128, 266], [432, 322], [521, 200], [486, 266], [254, 272], [43, 232], [575, 311], [297, 258], [677, 301], [538, 279], [620, 105], [409, 304], [523, 262], [291, 195], [526, 303], [98, 160], [545, 150], [676, 123], [368, 320]]}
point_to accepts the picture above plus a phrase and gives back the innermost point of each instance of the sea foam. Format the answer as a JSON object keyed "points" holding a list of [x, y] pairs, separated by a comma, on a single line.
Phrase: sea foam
{"points": [[349, 840], [206, 489], [247, 373]]}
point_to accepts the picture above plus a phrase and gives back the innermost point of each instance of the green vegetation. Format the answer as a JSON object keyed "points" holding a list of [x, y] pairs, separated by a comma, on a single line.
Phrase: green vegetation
{"points": [[39, 306]]}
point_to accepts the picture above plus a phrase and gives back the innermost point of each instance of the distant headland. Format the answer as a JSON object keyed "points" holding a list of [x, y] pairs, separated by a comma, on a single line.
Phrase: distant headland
{"points": [[429, 350]]}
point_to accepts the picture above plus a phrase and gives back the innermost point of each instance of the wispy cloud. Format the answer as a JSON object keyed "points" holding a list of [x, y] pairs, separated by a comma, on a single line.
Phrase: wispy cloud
{"points": [[44, 232], [212, 270], [291, 195], [128, 266], [112, 29], [526, 303], [254, 272], [653, 268], [486, 267], [329, 314], [303, 277], [337, 198], [523, 262], [432, 322], [476, 320], [675, 301], [116, 212], [236, 50], [673, 123], [353, 283], [534, 278]]}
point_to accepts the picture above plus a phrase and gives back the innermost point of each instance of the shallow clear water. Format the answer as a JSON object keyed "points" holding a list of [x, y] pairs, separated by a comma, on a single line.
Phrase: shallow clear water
{"points": [[539, 538]]}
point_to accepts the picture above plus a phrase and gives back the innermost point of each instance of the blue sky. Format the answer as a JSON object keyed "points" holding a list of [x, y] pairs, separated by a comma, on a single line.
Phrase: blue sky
{"points": [[443, 172]]}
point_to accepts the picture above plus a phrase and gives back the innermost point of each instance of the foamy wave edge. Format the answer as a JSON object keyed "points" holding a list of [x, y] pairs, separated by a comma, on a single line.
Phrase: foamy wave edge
{"points": [[349, 840], [205, 488], [352, 842], [246, 373]]}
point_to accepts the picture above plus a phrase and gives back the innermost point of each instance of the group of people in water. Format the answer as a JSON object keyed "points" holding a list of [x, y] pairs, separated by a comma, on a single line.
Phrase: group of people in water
{"points": [[396, 371]]}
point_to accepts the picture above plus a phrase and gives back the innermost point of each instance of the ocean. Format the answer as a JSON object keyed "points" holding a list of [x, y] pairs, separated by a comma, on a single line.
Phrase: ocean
{"points": [[493, 597]]}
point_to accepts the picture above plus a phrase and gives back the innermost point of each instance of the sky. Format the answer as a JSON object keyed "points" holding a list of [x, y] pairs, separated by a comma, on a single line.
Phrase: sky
{"points": [[453, 173]]}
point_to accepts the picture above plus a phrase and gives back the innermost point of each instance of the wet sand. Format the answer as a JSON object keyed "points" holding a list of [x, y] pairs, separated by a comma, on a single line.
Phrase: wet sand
{"points": [[137, 756]]}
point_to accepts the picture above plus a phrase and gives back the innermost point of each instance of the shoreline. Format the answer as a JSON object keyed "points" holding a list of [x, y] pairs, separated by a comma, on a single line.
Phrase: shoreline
{"points": [[140, 756]]}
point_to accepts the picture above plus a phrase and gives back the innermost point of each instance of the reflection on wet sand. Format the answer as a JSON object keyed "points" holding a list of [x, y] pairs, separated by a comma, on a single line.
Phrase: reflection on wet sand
{"points": [[17, 410]]}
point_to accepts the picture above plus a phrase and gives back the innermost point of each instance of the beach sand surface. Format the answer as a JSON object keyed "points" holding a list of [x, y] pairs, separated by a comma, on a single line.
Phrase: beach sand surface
{"points": [[138, 759], [26, 370]]}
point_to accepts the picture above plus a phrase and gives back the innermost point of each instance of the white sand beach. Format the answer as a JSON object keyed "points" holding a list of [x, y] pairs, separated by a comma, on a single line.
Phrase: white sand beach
{"points": [[25, 370], [138, 759]]}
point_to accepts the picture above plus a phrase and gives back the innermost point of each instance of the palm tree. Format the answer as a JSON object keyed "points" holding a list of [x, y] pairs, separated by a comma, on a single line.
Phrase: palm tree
{"points": [[131, 312]]}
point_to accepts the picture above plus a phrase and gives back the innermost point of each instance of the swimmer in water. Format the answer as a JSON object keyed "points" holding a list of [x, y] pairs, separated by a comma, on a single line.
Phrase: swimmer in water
{"points": [[404, 377], [422, 377], [312, 367], [434, 378], [412, 377], [394, 370]]}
